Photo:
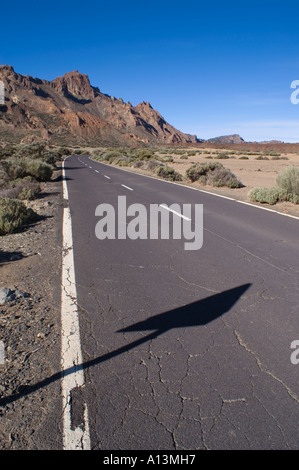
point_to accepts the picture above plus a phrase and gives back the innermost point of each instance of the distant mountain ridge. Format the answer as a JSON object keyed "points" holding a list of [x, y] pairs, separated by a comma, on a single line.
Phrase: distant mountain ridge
{"points": [[69, 110], [227, 139]]}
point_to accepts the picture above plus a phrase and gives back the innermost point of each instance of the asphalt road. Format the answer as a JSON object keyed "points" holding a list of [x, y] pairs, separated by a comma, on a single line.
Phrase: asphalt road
{"points": [[185, 349]]}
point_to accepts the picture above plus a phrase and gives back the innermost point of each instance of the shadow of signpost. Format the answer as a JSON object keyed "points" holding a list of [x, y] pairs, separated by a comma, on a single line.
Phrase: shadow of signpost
{"points": [[196, 314]]}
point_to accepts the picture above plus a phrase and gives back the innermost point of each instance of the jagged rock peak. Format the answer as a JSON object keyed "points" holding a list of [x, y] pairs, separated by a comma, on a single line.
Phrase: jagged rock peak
{"points": [[144, 104], [76, 84], [7, 70]]}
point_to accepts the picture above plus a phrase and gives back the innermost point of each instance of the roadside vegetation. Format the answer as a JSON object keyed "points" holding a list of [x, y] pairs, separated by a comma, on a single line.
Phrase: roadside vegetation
{"points": [[213, 174], [146, 159], [14, 214], [23, 168], [157, 162], [287, 189]]}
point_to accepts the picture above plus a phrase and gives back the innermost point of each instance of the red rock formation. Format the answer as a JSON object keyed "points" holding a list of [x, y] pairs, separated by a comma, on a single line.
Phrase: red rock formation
{"points": [[70, 110]]}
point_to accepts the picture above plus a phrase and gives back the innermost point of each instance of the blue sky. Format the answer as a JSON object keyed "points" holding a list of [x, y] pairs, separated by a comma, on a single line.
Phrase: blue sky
{"points": [[210, 68]]}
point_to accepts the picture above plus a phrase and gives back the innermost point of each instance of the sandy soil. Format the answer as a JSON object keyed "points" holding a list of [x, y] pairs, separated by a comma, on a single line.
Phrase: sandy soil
{"points": [[252, 172]]}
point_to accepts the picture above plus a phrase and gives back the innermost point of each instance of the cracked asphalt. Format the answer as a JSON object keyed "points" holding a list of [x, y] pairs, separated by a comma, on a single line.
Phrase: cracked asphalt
{"points": [[185, 349]]}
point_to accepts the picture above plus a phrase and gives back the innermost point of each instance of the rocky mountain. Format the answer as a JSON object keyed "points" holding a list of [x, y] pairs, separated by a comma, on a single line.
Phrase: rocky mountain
{"points": [[227, 139], [69, 110]]}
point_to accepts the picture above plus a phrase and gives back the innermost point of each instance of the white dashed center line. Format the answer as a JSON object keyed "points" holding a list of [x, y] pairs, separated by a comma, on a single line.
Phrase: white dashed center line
{"points": [[127, 187], [174, 212]]}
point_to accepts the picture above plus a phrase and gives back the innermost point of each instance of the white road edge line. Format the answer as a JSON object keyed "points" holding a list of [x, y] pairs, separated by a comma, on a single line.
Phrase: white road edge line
{"points": [[174, 212], [71, 354], [127, 187]]}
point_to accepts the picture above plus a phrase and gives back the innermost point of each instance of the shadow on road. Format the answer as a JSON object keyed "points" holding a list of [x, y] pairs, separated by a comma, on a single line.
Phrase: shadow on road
{"points": [[196, 314]]}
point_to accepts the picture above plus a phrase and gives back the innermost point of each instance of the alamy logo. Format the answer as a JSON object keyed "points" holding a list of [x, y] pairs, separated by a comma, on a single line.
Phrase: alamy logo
{"points": [[294, 95], [295, 354], [2, 93], [143, 225]]}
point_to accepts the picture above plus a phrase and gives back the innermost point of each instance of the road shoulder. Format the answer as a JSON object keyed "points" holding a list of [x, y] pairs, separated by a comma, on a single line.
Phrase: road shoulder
{"points": [[30, 266]]}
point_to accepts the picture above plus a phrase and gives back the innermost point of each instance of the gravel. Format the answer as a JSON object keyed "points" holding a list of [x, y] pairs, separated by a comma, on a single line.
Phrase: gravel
{"points": [[30, 329]]}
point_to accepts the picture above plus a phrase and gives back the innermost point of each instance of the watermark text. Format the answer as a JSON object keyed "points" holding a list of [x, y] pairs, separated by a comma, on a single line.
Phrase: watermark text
{"points": [[295, 354], [160, 222], [2, 93]]}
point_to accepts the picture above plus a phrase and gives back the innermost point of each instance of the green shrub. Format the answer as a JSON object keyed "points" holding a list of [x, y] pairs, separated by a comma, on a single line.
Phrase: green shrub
{"points": [[13, 167], [7, 151], [121, 161], [289, 180], [287, 190], [33, 150], [138, 164], [294, 198], [195, 171], [214, 174], [178, 152], [142, 154], [98, 154], [51, 157], [168, 173], [273, 154], [3, 177], [266, 195], [222, 156], [151, 165], [81, 152], [19, 168], [108, 156], [13, 215], [223, 177], [272, 196], [243, 158], [64, 151], [25, 188], [39, 151], [40, 170]]}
